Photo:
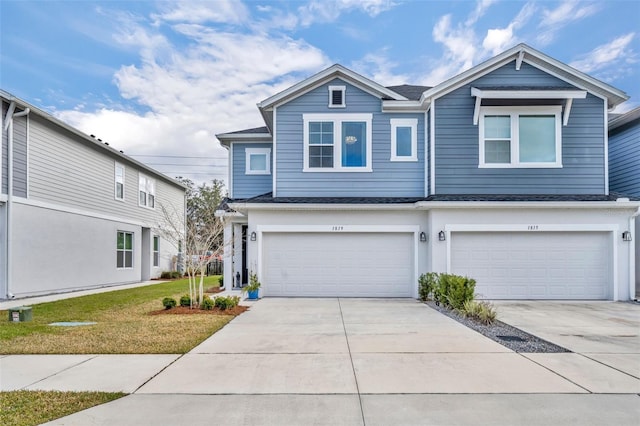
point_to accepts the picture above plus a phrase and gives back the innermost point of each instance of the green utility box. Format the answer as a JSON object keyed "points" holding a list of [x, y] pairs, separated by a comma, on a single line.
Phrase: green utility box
{"points": [[20, 314]]}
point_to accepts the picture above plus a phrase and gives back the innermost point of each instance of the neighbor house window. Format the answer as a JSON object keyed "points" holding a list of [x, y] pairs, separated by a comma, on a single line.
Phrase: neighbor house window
{"points": [[124, 250], [337, 142], [404, 139], [147, 191], [156, 250], [337, 96], [119, 182], [520, 136], [258, 161]]}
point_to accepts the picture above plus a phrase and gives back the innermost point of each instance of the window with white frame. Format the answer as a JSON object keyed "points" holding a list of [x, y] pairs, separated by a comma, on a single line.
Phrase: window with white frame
{"points": [[119, 182], [404, 139], [337, 142], [258, 161], [526, 137], [124, 250], [147, 191], [337, 96], [156, 250]]}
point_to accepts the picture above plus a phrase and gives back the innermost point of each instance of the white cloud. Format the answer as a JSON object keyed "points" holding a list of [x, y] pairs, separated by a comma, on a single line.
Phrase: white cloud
{"points": [[480, 10], [330, 10], [605, 55], [499, 39], [378, 67], [567, 12], [194, 11]]}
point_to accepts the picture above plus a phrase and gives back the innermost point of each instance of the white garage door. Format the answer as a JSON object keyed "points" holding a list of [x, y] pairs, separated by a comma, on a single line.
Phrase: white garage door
{"points": [[332, 265], [545, 265]]}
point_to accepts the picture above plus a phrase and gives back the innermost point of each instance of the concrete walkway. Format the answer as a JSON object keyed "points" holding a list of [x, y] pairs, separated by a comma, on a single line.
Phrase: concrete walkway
{"points": [[364, 361]]}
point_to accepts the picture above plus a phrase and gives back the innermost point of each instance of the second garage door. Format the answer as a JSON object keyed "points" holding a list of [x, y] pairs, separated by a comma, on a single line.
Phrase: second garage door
{"points": [[338, 264], [545, 265]]}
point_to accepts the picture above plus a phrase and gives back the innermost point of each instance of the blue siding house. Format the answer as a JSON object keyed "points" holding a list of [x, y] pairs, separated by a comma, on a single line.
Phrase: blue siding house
{"points": [[353, 189], [624, 166]]}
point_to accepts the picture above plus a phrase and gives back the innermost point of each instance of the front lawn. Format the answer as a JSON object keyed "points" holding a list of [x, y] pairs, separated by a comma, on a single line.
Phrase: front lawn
{"points": [[124, 325], [28, 408]]}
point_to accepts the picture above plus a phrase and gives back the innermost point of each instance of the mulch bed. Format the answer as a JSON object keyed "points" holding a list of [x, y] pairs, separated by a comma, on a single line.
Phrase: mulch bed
{"points": [[185, 310], [505, 334]]}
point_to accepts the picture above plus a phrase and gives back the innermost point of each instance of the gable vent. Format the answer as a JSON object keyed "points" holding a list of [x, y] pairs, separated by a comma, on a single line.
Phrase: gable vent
{"points": [[336, 96]]}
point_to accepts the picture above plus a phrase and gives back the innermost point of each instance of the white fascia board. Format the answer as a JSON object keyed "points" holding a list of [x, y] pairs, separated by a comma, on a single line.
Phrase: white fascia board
{"points": [[226, 214], [334, 71], [3, 198], [226, 139], [312, 206], [625, 118], [404, 106], [528, 94], [429, 205]]}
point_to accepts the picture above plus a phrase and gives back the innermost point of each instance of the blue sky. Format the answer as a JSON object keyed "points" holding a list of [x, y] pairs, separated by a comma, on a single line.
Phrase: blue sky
{"points": [[162, 78]]}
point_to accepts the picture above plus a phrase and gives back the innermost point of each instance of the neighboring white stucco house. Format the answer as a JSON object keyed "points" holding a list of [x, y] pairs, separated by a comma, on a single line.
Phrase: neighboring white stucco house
{"points": [[354, 189], [74, 212]]}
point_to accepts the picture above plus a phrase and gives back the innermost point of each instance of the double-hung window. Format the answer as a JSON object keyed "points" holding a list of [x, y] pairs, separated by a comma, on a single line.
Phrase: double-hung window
{"points": [[526, 137], [156, 250], [404, 139], [258, 161], [119, 182], [124, 250], [146, 191], [337, 142]]}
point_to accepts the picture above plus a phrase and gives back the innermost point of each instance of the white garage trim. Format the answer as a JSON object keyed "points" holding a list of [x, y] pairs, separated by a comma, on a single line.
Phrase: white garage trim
{"points": [[533, 228], [337, 229]]}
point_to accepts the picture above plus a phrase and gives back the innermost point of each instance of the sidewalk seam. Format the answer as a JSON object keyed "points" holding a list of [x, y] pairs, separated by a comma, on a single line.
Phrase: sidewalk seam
{"points": [[155, 375], [58, 372], [353, 368], [554, 372]]}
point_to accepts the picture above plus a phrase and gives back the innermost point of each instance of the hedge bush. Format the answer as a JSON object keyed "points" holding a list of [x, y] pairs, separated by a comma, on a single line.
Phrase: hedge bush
{"points": [[207, 303], [446, 289], [185, 300], [169, 302], [227, 302]]}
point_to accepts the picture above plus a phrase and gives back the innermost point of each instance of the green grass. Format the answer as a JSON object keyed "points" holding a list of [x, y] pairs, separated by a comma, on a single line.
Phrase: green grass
{"points": [[123, 324], [28, 408]]}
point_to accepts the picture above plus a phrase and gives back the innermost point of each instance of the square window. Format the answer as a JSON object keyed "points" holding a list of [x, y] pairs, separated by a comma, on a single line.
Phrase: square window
{"points": [[537, 138], [258, 161]]}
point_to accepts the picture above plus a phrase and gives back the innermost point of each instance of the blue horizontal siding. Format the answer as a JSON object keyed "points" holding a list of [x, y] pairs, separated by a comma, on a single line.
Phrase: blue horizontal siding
{"points": [[457, 143], [624, 160], [388, 179], [246, 186]]}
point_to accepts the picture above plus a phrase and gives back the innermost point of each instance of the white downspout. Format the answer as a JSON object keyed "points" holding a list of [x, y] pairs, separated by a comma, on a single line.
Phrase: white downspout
{"points": [[632, 255], [8, 125]]}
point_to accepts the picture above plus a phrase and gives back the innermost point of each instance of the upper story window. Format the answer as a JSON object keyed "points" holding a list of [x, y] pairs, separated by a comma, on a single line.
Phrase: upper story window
{"points": [[337, 142], [258, 161], [119, 182], [526, 137], [404, 139], [146, 191], [337, 96]]}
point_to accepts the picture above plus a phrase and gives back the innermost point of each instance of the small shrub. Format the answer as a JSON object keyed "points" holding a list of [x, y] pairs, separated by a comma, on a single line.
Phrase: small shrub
{"points": [[227, 302], [453, 290], [221, 281], [427, 284], [165, 275], [169, 302], [185, 300], [480, 311], [176, 275], [207, 303]]}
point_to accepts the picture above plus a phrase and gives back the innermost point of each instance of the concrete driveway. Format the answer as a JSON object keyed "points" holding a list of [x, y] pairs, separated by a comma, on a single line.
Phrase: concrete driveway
{"points": [[366, 361]]}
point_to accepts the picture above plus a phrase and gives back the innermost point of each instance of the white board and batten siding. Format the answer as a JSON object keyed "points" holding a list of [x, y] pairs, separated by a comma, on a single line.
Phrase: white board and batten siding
{"points": [[349, 264], [541, 265]]}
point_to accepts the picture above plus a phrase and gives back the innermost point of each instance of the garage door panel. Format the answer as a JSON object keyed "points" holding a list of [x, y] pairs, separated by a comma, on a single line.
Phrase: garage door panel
{"points": [[544, 265], [338, 264]]}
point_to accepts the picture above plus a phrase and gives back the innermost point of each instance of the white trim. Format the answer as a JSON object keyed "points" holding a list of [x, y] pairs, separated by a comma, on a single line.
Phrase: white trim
{"points": [[519, 59], [230, 171], [115, 181], [412, 123], [432, 142], [606, 149], [426, 158], [404, 106], [613, 230], [257, 151], [515, 113], [341, 229], [429, 205], [275, 157], [342, 89], [28, 142], [316, 206], [568, 95], [76, 211], [337, 120]]}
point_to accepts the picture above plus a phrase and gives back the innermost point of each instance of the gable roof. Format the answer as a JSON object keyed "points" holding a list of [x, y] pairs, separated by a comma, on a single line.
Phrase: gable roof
{"points": [[410, 91], [524, 53], [92, 142], [619, 120]]}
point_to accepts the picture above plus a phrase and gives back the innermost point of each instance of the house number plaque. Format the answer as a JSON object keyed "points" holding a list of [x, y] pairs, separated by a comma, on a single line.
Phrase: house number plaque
{"points": [[532, 228], [337, 228]]}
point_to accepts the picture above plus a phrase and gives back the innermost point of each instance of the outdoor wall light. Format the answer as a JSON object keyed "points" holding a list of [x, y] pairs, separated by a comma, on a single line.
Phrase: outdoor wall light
{"points": [[423, 237], [442, 236], [626, 236], [253, 236]]}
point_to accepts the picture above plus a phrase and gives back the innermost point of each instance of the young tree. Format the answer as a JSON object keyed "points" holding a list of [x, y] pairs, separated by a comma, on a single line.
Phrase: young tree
{"points": [[200, 233]]}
